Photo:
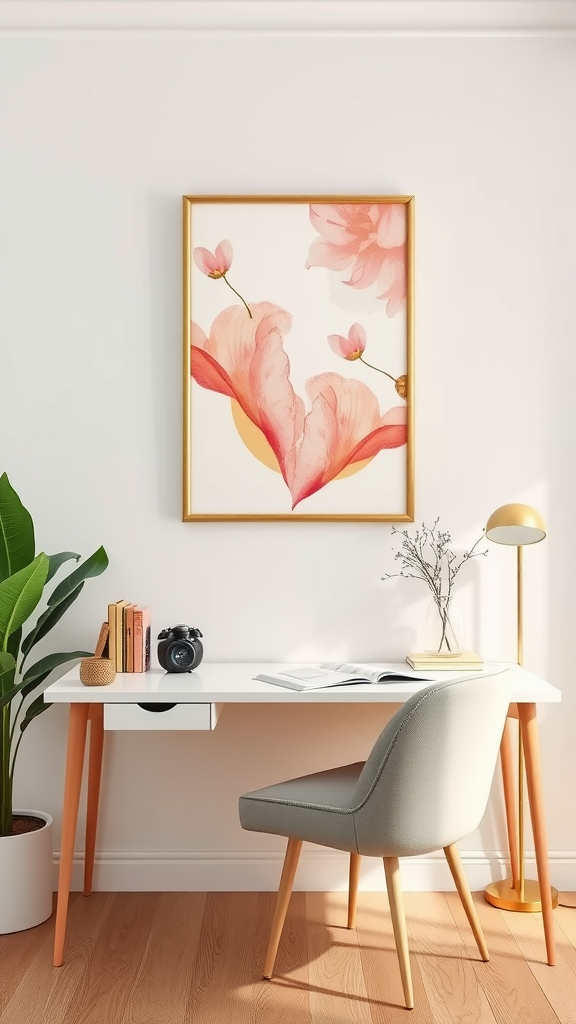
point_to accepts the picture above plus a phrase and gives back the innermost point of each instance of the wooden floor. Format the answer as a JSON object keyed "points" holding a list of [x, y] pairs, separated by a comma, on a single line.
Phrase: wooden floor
{"points": [[195, 958]]}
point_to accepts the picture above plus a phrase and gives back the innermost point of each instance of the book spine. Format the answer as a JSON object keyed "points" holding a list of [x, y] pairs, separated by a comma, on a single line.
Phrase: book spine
{"points": [[112, 633], [137, 641], [129, 638], [119, 656], [146, 639]]}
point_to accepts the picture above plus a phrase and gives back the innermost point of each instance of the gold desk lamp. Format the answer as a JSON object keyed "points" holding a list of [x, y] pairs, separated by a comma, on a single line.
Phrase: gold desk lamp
{"points": [[517, 525]]}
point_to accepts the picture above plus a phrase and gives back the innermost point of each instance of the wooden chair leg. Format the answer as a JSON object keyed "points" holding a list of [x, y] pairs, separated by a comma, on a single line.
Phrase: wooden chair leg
{"points": [[394, 885], [354, 875], [284, 892], [529, 726], [455, 865], [93, 797], [509, 786]]}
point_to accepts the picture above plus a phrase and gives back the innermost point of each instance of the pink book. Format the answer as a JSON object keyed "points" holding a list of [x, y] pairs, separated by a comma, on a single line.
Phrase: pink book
{"points": [[128, 646], [142, 639]]}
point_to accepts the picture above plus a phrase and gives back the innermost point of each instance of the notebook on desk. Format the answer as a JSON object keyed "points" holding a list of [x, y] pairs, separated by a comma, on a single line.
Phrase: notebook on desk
{"points": [[316, 677]]}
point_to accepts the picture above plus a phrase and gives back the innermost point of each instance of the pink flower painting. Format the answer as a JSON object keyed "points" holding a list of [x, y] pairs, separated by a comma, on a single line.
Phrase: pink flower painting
{"points": [[344, 426], [350, 347], [369, 240], [245, 359], [215, 264], [303, 408]]}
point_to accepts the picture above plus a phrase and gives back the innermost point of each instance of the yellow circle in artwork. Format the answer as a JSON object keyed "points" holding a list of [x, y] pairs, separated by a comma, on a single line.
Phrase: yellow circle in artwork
{"points": [[254, 440]]}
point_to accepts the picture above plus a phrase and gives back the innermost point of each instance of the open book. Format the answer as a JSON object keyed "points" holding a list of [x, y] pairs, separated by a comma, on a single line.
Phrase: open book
{"points": [[314, 677]]}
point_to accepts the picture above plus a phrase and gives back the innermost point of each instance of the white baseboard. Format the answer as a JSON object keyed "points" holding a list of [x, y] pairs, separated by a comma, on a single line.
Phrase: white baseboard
{"points": [[319, 871]]}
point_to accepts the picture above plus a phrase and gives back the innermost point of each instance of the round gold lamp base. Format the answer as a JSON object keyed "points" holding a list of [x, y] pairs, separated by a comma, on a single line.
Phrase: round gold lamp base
{"points": [[502, 895]]}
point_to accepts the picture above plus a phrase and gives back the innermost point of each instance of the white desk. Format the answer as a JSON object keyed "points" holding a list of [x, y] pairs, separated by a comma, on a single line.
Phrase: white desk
{"points": [[198, 698]]}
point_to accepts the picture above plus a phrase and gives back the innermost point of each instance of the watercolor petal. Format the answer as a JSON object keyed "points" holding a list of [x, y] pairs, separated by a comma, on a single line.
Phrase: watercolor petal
{"points": [[208, 373], [343, 425], [205, 260], [392, 226], [392, 281], [250, 355], [328, 221], [332, 257], [224, 255], [339, 344], [366, 268], [357, 336], [369, 238]]}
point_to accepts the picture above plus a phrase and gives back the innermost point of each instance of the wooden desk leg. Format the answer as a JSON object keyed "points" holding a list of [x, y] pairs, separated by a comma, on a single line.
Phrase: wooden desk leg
{"points": [[94, 777], [74, 765], [529, 726], [509, 785]]}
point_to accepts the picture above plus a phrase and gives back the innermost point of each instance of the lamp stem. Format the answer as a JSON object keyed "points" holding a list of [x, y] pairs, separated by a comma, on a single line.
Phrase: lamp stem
{"points": [[520, 626], [519, 658]]}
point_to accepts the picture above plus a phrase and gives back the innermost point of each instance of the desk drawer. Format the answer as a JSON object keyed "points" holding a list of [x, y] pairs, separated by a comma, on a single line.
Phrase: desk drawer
{"points": [[162, 716]]}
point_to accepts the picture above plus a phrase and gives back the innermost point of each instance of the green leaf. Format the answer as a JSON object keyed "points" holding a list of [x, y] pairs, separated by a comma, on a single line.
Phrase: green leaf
{"points": [[7, 673], [6, 662], [33, 710], [7, 667], [8, 695], [42, 669], [19, 595], [27, 688], [16, 531], [52, 661], [48, 620], [13, 644], [63, 596], [93, 566], [57, 560]]}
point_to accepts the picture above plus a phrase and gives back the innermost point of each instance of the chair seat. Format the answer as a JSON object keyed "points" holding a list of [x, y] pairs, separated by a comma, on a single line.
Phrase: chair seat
{"points": [[317, 808]]}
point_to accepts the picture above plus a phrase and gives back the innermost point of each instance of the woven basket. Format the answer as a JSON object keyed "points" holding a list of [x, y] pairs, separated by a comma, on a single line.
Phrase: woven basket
{"points": [[97, 671]]}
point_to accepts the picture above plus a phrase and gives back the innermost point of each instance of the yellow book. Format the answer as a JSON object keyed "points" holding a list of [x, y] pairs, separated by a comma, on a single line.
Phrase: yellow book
{"points": [[466, 661], [112, 634], [119, 640]]}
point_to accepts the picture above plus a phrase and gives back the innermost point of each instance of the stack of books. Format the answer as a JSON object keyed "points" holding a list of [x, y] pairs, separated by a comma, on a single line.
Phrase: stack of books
{"points": [[129, 636], [466, 661]]}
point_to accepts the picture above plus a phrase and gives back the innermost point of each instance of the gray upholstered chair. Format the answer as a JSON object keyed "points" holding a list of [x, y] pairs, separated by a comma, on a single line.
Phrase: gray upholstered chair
{"points": [[424, 786]]}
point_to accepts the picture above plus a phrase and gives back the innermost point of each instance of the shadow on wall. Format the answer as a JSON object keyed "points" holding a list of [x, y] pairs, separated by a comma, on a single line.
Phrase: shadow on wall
{"points": [[165, 311]]}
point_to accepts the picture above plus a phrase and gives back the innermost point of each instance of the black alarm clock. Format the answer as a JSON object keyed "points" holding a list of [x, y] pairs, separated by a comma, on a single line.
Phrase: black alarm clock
{"points": [[180, 648]]}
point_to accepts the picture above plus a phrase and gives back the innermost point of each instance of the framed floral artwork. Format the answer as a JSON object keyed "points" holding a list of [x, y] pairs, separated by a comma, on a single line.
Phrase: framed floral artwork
{"points": [[298, 358]]}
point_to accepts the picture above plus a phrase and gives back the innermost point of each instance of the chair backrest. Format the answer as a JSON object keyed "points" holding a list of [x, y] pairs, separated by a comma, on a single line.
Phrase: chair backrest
{"points": [[427, 781]]}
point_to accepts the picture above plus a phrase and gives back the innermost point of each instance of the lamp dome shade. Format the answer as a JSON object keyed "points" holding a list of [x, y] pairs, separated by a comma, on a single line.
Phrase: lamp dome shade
{"points": [[515, 524]]}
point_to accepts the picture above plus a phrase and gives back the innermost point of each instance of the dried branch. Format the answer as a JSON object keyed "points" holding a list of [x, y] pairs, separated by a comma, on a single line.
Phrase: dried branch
{"points": [[427, 556]]}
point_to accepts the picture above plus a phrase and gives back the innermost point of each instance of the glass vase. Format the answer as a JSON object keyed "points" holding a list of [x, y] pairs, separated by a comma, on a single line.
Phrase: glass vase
{"points": [[444, 628]]}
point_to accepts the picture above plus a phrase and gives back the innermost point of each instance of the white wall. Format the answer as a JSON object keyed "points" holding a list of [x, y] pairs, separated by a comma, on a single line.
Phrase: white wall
{"points": [[101, 134]]}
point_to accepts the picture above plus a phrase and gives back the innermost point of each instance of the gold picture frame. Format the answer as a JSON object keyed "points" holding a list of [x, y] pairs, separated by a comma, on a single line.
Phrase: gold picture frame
{"points": [[289, 425]]}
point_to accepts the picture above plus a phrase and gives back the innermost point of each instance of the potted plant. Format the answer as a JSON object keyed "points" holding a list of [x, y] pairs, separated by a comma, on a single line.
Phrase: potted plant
{"points": [[26, 835]]}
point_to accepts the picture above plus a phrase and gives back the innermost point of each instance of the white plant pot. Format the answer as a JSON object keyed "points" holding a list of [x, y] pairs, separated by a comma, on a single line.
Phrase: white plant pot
{"points": [[26, 877]]}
